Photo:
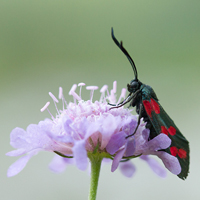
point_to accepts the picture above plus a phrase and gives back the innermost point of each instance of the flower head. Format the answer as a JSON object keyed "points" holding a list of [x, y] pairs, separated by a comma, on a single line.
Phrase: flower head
{"points": [[83, 128]]}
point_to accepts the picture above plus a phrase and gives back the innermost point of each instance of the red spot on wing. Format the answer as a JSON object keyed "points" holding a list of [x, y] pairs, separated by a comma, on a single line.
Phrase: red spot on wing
{"points": [[148, 107], [182, 153], [174, 150], [155, 106], [172, 130], [164, 130]]}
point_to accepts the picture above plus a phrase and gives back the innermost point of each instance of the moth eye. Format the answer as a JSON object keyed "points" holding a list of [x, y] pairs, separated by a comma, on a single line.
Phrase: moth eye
{"points": [[134, 84]]}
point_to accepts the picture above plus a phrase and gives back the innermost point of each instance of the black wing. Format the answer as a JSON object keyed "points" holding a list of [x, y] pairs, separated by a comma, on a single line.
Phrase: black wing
{"points": [[162, 123]]}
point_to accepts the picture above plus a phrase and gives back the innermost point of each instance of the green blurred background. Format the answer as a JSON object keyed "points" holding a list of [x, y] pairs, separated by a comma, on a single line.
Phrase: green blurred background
{"points": [[47, 44]]}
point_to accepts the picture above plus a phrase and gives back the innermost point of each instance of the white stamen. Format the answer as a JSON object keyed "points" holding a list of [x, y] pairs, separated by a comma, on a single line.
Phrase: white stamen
{"points": [[54, 100], [102, 90], [45, 107], [112, 98], [50, 114], [73, 89], [61, 96], [92, 88], [108, 93], [123, 95], [81, 84], [76, 96], [114, 86], [53, 97]]}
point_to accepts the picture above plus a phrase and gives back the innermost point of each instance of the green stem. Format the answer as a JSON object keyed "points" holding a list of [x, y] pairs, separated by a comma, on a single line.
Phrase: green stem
{"points": [[95, 171]]}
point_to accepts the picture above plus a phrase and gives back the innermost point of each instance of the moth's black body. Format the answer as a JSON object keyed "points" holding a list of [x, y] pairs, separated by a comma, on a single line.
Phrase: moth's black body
{"points": [[157, 120]]}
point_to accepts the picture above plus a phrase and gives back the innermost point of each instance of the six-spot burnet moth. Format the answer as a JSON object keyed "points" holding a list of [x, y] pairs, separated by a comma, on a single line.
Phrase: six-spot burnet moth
{"points": [[143, 97]]}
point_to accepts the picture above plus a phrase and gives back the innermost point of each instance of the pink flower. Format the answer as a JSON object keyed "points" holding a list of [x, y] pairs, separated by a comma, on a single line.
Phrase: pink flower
{"points": [[82, 128]]}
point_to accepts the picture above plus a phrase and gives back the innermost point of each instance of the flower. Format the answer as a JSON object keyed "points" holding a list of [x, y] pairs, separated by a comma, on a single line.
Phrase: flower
{"points": [[84, 128]]}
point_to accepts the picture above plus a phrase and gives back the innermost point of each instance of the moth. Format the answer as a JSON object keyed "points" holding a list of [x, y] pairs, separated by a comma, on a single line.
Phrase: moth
{"points": [[144, 98]]}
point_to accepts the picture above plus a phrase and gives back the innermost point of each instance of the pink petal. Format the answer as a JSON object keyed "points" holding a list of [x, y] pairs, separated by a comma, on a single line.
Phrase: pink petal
{"points": [[155, 166], [145, 134], [127, 169], [17, 138], [67, 126], [110, 125], [130, 147], [80, 155], [59, 164], [17, 152], [162, 141], [117, 159], [19, 165], [170, 162], [116, 141]]}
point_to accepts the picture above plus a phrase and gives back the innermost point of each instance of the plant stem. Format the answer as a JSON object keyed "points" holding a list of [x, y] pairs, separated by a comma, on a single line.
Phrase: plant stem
{"points": [[95, 171]]}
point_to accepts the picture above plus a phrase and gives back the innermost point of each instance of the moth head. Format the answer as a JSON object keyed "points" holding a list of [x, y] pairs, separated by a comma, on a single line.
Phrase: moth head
{"points": [[134, 85]]}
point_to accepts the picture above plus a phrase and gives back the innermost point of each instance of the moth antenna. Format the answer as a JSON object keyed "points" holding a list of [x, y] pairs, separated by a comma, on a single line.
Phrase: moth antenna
{"points": [[120, 45]]}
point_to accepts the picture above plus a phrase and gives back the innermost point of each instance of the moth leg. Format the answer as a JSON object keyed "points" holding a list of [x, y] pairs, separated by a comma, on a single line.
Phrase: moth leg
{"points": [[138, 123], [115, 105], [128, 99], [121, 103]]}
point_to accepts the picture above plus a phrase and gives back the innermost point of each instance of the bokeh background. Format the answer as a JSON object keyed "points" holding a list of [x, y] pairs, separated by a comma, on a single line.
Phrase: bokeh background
{"points": [[47, 44]]}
